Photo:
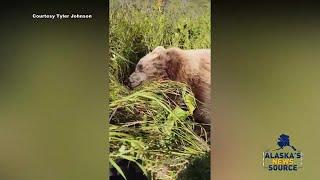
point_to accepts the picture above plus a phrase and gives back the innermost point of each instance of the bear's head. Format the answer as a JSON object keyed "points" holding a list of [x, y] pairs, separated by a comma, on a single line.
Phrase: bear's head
{"points": [[158, 64]]}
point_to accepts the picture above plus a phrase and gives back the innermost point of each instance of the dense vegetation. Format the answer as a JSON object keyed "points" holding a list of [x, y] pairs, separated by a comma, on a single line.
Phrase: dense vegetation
{"points": [[152, 126]]}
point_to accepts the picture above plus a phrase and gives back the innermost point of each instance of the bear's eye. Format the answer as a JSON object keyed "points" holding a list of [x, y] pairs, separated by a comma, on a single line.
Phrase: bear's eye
{"points": [[139, 67]]}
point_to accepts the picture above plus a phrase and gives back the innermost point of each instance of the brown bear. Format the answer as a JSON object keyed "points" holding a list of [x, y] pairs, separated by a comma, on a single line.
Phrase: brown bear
{"points": [[192, 67]]}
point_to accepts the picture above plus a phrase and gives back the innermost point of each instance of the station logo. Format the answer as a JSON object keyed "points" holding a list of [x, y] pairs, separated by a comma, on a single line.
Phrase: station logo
{"points": [[284, 158]]}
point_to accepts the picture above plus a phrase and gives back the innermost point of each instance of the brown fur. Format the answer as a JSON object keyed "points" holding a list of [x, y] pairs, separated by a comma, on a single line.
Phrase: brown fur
{"points": [[192, 67]]}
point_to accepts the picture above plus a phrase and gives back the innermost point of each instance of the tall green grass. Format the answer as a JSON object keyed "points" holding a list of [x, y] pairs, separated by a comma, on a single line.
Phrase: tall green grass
{"points": [[152, 125]]}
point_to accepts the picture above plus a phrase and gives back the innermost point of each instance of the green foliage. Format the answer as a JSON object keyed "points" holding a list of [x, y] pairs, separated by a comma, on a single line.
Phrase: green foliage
{"points": [[136, 28], [152, 125]]}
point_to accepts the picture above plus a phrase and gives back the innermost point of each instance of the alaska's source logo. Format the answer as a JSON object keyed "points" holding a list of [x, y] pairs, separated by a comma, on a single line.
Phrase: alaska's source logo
{"points": [[284, 158]]}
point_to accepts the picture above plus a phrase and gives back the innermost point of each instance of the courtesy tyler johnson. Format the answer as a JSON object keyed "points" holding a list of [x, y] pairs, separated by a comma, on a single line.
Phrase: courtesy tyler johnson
{"points": [[61, 16]]}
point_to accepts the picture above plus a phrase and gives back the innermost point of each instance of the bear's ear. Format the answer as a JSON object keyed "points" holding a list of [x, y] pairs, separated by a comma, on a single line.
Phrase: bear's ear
{"points": [[159, 49], [174, 62]]}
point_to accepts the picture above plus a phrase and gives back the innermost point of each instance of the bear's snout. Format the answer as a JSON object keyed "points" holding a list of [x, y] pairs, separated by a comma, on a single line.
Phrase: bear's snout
{"points": [[136, 79]]}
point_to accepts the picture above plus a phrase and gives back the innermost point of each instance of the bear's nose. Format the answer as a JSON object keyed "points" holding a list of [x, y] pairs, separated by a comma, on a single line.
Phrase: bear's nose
{"points": [[136, 79], [133, 80]]}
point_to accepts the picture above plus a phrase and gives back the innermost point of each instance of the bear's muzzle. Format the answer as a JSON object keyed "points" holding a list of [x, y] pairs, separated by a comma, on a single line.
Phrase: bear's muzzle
{"points": [[136, 79]]}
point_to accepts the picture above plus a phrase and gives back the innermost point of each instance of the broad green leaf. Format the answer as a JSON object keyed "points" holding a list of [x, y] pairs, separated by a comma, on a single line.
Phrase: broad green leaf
{"points": [[177, 114], [189, 100], [122, 149]]}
